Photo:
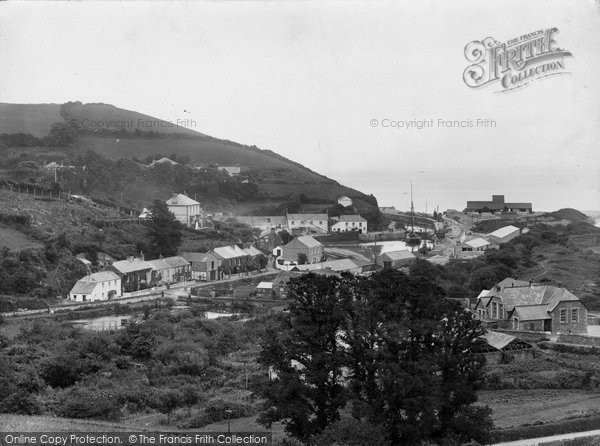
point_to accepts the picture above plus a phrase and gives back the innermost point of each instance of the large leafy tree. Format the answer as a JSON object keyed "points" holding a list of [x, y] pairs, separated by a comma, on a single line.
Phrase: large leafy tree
{"points": [[307, 358], [165, 231], [409, 356], [415, 369]]}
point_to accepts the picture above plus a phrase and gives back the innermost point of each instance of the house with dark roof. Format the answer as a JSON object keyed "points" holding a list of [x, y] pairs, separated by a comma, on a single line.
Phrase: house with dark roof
{"points": [[103, 285], [395, 259], [497, 205], [305, 244], [169, 270], [523, 306], [135, 273], [232, 171], [203, 265], [496, 346], [233, 258]]}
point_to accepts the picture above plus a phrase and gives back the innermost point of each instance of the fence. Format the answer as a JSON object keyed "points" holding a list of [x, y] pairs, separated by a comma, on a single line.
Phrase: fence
{"points": [[66, 196]]}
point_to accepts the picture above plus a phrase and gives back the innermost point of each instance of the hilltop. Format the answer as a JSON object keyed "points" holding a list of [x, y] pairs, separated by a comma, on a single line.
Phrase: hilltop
{"points": [[66, 133]]}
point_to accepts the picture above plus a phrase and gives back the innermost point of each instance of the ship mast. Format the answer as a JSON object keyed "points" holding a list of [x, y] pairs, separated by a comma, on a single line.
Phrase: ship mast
{"points": [[412, 210]]}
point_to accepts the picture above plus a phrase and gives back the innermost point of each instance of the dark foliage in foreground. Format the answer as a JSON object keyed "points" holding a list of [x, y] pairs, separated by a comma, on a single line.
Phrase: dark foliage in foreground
{"points": [[389, 347]]}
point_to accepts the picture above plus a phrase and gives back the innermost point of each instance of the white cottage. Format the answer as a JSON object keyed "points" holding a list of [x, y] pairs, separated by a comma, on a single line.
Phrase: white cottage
{"points": [[103, 285], [186, 210]]}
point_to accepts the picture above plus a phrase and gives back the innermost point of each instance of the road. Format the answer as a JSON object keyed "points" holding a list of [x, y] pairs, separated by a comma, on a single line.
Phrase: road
{"points": [[590, 437], [173, 292]]}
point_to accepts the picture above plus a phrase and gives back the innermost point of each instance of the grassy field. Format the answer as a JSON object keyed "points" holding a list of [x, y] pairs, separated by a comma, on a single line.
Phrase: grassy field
{"points": [[35, 119], [517, 407], [574, 270], [15, 240]]}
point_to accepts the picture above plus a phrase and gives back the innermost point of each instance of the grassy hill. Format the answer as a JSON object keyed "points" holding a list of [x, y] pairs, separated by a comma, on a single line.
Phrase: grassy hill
{"points": [[35, 119], [118, 133]]}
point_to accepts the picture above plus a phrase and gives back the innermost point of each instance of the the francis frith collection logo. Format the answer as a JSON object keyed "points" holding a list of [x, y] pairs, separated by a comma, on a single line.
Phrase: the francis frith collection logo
{"points": [[516, 62]]}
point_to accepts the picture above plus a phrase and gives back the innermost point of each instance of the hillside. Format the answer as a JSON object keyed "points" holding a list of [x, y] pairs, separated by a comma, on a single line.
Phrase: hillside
{"points": [[28, 118], [117, 133]]}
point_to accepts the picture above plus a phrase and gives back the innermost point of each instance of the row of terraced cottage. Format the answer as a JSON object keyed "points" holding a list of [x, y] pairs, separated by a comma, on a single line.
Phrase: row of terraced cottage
{"points": [[136, 273]]}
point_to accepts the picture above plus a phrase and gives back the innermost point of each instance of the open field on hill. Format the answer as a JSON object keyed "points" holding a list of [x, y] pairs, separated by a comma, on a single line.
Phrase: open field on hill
{"points": [[28, 118], [15, 240]]}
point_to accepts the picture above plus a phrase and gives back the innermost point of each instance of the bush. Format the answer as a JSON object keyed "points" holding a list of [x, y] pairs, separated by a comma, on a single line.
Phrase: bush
{"points": [[220, 410], [21, 403], [79, 402], [351, 432]]}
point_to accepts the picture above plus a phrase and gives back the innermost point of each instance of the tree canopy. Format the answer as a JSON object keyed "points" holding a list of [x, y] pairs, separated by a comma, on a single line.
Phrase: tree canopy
{"points": [[165, 231], [389, 347]]}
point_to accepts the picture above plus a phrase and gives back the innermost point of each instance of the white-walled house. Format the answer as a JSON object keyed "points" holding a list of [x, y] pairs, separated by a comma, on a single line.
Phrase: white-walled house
{"points": [[103, 285], [309, 223], [186, 210], [345, 201], [347, 223]]}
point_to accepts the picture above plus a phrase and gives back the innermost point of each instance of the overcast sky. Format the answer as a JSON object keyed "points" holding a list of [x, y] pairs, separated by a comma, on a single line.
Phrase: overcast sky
{"points": [[305, 79]]}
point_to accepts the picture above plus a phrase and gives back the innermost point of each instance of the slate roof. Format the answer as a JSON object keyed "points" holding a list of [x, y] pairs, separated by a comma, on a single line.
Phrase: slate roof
{"points": [[307, 217], [86, 284], [500, 341], [509, 282], [264, 220], [194, 256], [251, 251], [181, 200], [483, 293], [168, 262], [531, 312], [534, 295], [504, 231], [129, 266], [402, 254], [304, 240], [333, 265], [477, 242], [229, 252], [351, 218]]}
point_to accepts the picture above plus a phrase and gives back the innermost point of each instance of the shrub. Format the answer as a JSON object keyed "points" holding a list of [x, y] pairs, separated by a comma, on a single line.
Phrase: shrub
{"points": [[220, 410], [79, 402], [351, 432], [21, 403]]}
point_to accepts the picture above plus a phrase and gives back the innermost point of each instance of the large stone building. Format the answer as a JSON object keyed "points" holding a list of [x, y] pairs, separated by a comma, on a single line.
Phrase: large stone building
{"points": [[307, 245], [523, 306], [497, 205]]}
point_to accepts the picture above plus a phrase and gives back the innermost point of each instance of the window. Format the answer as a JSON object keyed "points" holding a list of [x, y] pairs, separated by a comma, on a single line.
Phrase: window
{"points": [[574, 314], [321, 222], [563, 316]]}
